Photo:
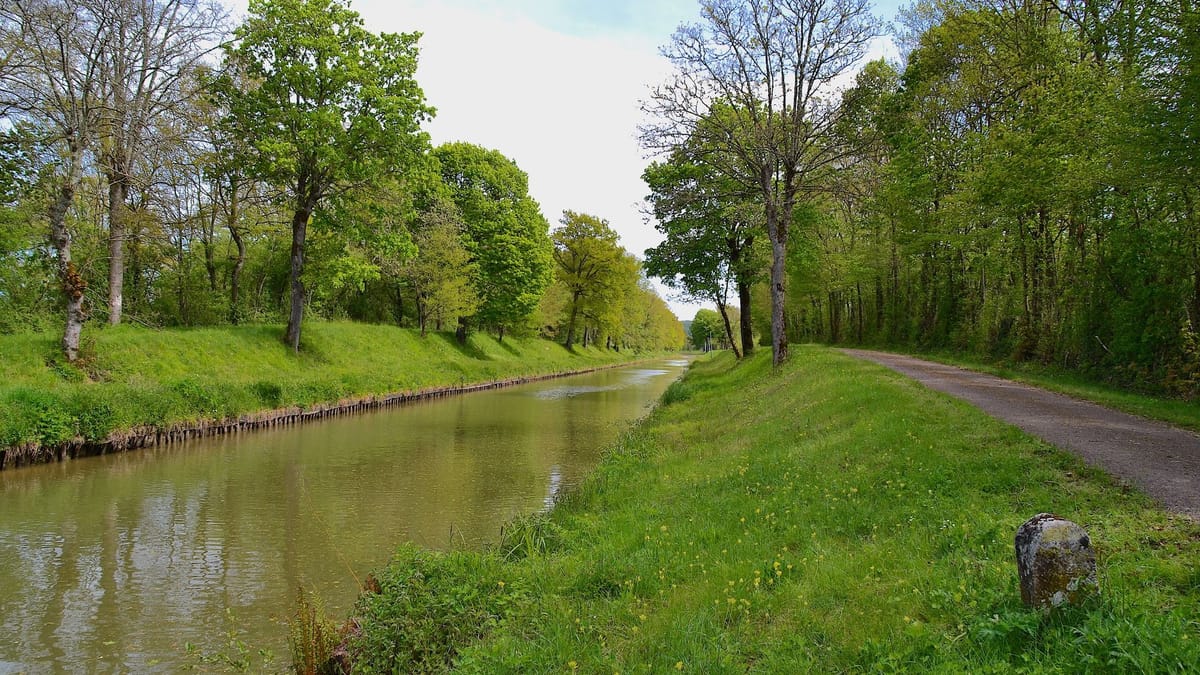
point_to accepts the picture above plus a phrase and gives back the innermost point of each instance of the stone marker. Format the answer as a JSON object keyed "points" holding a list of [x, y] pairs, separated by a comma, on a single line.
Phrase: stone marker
{"points": [[1055, 561]]}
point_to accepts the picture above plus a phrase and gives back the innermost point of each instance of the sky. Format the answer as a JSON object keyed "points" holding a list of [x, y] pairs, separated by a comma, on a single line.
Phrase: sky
{"points": [[555, 85]]}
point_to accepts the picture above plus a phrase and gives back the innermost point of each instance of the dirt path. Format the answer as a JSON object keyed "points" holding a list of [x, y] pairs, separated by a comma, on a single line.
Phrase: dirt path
{"points": [[1160, 459]]}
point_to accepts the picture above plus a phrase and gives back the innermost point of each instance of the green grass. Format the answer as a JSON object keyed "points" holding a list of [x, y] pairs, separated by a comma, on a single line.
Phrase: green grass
{"points": [[135, 377], [830, 517], [1181, 412]]}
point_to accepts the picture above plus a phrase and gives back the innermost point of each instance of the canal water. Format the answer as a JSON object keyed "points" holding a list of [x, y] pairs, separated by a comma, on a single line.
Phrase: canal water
{"points": [[117, 563]]}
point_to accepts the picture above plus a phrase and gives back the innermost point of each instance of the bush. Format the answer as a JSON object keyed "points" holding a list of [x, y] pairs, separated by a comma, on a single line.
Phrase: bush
{"points": [[431, 605], [37, 416]]}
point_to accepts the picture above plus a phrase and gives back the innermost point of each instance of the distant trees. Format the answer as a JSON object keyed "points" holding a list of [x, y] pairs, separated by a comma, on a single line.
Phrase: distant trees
{"points": [[706, 330], [442, 276], [589, 264]]}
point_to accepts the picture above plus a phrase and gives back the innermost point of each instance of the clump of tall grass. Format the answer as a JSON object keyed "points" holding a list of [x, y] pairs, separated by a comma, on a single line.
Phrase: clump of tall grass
{"points": [[313, 637]]}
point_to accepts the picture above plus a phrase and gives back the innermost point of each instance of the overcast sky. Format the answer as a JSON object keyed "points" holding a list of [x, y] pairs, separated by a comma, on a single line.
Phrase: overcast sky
{"points": [[553, 84]]}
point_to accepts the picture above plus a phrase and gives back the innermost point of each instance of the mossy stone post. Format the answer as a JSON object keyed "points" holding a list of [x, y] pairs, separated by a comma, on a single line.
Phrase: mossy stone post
{"points": [[1055, 562]]}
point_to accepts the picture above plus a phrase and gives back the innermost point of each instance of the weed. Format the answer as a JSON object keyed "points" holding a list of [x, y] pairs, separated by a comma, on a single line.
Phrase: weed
{"points": [[312, 637]]}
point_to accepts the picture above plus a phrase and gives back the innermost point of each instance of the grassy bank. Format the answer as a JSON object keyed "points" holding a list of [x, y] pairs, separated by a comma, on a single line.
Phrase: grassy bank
{"points": [[830, 517], [134, 377]]}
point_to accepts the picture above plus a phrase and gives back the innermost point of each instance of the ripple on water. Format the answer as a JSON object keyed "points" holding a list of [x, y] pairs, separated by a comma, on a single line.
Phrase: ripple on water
{"points": [[568, 392]]}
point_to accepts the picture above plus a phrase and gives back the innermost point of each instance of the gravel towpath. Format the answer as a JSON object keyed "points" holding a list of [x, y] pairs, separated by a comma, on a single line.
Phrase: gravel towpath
{"points": [[1162, 460]]}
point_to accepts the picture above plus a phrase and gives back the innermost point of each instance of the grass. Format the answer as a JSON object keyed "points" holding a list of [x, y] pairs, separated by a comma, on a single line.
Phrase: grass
{"points": [[133, 377], [829, 517], [1180, 412]]}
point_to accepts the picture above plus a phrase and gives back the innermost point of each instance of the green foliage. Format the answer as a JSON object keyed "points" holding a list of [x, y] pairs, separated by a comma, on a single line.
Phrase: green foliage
{"points": [[506, 232], [590, 266], [1016, 195], [236, 656], [329, 108], [707, 329]]}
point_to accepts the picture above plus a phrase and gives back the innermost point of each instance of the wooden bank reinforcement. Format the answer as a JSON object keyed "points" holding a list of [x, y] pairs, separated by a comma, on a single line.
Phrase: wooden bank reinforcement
{"points": [[28, 454]]}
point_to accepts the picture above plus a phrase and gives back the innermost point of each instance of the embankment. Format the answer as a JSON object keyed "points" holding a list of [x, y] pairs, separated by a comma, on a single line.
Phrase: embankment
{"points": [[831, 516], [141, 387]]}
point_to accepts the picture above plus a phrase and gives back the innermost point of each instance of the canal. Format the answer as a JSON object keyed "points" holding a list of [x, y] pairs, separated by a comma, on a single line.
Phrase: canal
{"points": [[117, 563]]}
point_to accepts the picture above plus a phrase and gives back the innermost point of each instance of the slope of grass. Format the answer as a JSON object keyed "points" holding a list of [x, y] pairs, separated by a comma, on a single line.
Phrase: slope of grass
{"points": [[830, 517], [134, 376]]}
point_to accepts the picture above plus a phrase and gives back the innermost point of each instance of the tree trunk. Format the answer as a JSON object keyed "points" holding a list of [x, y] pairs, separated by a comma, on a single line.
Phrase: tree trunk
{"points": [[73, 284], [778, 234], [858, 290], [296, 284], [117, 192], [421, 315], [460, 333], [747, 329], [235, 277], [571, 322], [728, 329]]}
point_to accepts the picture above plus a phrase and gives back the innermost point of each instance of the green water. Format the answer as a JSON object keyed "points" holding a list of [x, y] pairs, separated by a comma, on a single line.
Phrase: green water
{"points": [[114, 564]]}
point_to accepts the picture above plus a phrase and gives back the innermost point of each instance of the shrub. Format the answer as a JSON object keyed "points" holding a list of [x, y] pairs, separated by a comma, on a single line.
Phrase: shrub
{"points": [[431, 605]]}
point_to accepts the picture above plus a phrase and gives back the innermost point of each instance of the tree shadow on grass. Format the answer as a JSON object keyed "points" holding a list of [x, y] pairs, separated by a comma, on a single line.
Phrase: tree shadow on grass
{"points": [[466, 349], [506, 346]]}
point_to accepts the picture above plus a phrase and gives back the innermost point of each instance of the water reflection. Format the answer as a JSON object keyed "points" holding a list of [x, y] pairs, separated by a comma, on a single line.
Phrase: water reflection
{"points": [[112, 564]]}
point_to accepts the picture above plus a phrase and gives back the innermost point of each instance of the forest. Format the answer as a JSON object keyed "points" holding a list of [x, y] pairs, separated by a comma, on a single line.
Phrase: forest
{"points": [[1021, 184], [161, 167]]}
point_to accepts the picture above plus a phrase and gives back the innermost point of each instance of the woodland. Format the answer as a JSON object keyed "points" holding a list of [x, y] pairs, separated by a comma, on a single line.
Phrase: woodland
{"points": [[1021, 184]]}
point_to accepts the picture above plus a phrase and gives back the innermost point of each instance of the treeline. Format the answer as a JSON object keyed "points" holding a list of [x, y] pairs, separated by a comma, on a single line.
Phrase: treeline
{"points": [[1028, 190], [1022, 185], [157, 167]]}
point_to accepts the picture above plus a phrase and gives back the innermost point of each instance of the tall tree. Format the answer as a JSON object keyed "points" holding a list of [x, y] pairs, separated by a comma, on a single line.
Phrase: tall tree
{"points": [[756, 80], [506, 232], [587, 257], [51, 77], [154, 47], [710, 234], [330, 107], [440, 275]]}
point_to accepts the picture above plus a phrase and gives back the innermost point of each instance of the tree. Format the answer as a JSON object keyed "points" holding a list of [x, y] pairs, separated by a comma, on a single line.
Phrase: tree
{"points": [[710, 235], [50, 77], [587, 254], [440, 274], [706, 327], [753, 84], [329, 107], [506, 232], [154, 47]]}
